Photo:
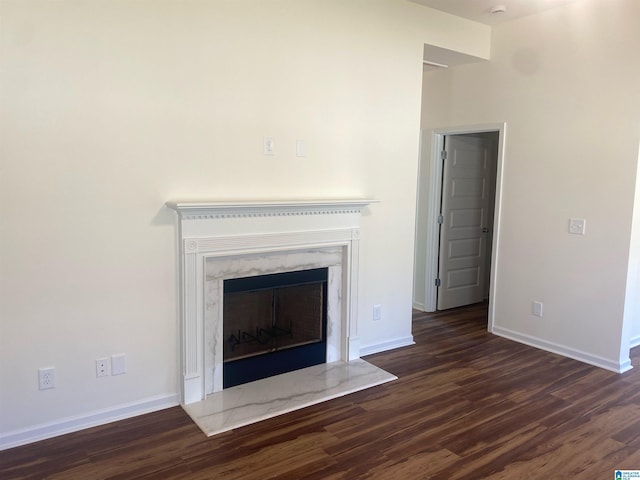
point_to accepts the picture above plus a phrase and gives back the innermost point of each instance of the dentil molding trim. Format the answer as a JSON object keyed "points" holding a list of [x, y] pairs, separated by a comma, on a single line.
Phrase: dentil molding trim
{"points": [[204, 209]]}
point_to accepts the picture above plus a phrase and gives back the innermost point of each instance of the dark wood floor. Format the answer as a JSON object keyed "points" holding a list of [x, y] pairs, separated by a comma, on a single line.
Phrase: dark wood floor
{"points": [[467, 405]]}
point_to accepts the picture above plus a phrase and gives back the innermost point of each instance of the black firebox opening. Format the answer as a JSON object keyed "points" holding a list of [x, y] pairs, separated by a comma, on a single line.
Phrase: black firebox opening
{"points": [[274, 324]]}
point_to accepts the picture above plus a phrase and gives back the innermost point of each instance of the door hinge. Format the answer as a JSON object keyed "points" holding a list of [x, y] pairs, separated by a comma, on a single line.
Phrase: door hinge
{"points": [[440, 219], [437, 282], [443, 155]]}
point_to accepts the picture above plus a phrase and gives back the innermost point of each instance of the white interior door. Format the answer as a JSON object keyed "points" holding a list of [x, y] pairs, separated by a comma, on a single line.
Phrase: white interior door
{"points": [[467, 217]]}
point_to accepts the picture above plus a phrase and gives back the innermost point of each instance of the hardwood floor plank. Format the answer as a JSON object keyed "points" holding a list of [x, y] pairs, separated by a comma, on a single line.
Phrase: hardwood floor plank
{"points": [[467, 405], [421, 466]]}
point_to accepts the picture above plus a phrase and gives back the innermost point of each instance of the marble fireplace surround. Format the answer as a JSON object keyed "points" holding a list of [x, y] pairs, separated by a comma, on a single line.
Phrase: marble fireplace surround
{"points": [[218, 269], [222, 240]]}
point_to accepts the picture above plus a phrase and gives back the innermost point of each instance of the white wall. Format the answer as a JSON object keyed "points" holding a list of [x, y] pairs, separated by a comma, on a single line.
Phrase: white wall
{"points": [[109, 109], [568, 86]]}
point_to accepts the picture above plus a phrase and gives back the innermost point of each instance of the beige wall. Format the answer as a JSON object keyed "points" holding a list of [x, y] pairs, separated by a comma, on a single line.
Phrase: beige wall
{"points": [[567, 84], [109, 109]]}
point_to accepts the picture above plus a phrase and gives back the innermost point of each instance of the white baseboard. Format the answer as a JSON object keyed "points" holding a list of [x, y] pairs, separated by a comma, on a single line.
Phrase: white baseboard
{"points": [[387, 345], [634, 342], [80, 422], [596, 360], [418, 306]]}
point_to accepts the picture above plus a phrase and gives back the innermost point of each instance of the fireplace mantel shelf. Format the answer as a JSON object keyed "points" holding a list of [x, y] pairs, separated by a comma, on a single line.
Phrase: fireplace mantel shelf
{"points": [[268, 208]]}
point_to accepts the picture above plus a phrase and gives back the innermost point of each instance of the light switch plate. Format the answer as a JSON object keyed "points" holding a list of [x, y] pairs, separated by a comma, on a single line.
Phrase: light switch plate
{"points": [[536, 308], [577, 226], [268, 147], [377, 312], [301, 148]]}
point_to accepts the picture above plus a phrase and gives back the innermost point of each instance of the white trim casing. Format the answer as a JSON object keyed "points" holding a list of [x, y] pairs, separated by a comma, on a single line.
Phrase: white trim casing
{"points": [[435, 190]]}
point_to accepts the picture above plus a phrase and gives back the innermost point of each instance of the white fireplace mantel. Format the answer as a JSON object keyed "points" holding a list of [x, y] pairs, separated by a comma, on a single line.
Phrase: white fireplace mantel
{"points": [[222, 240], [217, 209]]}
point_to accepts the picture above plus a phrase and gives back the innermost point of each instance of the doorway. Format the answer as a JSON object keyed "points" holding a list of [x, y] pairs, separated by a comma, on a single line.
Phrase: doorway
{"points": [[466, 218], [458, 214]]}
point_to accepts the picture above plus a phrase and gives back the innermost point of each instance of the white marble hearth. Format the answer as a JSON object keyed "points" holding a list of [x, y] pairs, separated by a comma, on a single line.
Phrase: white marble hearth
{"points": [[252, 402]]}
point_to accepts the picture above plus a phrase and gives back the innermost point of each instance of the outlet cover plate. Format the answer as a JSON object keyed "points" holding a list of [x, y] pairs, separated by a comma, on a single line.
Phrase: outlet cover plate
{"points": [[46, 378], [102, 367], [118, 364]]}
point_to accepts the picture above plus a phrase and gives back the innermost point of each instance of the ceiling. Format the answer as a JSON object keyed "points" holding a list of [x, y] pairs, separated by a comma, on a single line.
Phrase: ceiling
{"points": [[480, 10]]}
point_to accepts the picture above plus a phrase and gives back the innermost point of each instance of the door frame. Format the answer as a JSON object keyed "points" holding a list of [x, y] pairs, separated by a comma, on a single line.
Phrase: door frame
{"points": [[433, 194]]}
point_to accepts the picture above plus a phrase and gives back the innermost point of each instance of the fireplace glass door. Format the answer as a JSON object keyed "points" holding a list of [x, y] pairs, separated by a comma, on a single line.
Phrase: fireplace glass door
{"points": [[273, 324]]}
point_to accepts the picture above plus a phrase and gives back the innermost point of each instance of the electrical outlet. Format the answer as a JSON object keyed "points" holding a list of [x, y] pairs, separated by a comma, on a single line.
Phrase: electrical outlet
{"points": [[47, 378], [102, 367], [536, 309], [377, 312]]}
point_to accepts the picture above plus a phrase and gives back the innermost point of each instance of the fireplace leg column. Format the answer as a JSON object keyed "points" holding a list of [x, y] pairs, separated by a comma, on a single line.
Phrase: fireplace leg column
{"points": [[192, 312], [353, 341]]}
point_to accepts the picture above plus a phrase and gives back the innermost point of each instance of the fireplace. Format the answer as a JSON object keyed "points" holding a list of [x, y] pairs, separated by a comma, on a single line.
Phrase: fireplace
{"points": [[221, 242], [273, 324]]}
